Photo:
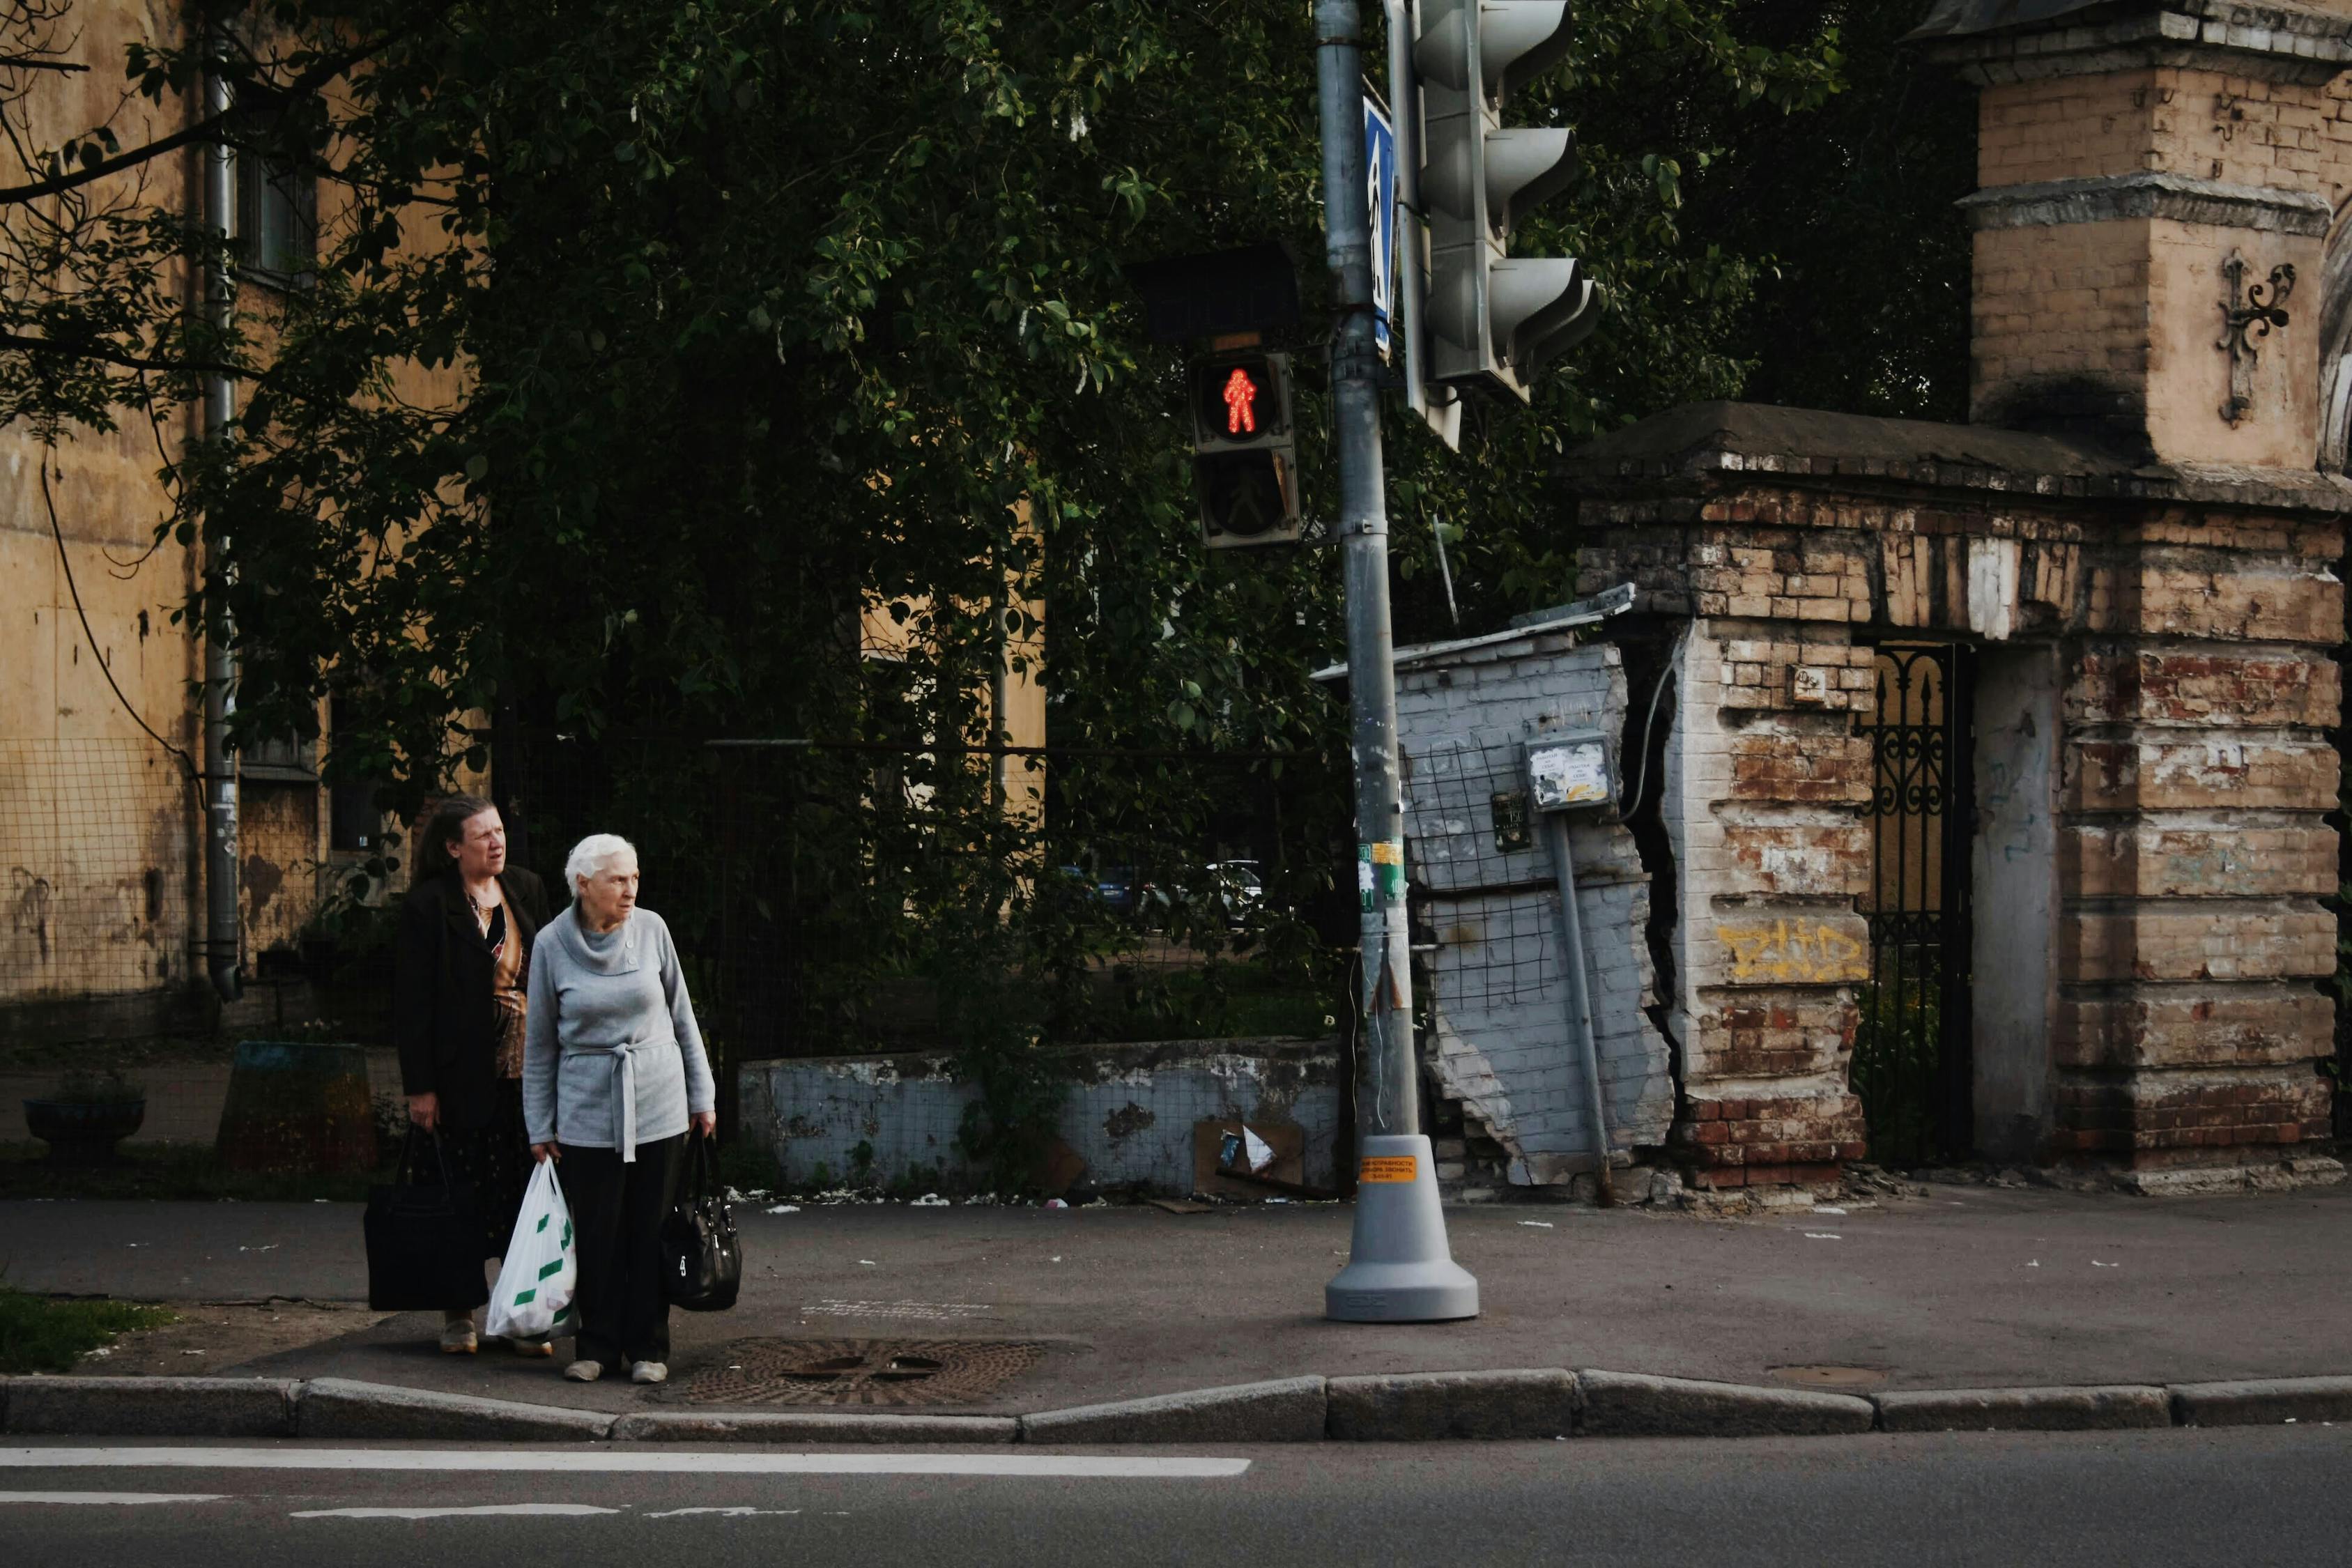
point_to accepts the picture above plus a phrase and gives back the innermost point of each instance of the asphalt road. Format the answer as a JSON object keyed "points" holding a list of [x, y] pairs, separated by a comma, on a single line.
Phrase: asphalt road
{"points": [[2246, 1497]]}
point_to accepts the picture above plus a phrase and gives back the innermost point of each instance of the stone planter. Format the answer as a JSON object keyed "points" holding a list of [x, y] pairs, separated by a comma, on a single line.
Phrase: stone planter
{"points": [[84, 1133]]}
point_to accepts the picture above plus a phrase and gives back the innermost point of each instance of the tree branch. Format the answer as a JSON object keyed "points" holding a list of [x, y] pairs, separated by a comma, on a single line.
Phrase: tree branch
{"points": [[115, 356], [205, 130]]}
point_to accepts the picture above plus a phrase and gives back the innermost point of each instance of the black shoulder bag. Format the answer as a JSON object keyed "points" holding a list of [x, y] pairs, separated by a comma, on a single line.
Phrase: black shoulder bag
{"points": [[423, 1242], [702, 1262]]}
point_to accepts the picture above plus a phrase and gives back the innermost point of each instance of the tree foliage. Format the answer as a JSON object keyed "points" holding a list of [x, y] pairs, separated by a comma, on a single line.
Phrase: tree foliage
{"points": [[658, 353]]}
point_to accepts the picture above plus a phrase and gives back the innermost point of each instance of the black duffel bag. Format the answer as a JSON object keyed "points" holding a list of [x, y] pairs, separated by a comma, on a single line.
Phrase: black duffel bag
{"points": [[423, 1242], [702, 1262]]}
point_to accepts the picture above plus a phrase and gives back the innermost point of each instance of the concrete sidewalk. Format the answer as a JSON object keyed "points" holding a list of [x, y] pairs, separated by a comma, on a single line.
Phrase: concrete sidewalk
{"points": [[1972, 1287]]}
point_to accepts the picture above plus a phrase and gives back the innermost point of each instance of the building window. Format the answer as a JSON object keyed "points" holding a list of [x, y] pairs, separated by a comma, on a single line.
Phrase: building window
{"points": [[277, 219], [354, 825]]}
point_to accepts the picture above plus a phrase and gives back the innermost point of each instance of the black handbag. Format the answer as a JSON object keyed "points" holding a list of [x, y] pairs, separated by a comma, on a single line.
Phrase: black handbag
{"points": [[423, 1242], [702, 1261]]}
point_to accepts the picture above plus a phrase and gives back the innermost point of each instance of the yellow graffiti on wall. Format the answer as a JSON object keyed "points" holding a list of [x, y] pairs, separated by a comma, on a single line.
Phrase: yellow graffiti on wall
{"points": [[1794, 951]]}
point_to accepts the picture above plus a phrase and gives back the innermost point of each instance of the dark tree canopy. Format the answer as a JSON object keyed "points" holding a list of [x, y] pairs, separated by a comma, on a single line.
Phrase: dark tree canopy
{"points": [[758, 322]]}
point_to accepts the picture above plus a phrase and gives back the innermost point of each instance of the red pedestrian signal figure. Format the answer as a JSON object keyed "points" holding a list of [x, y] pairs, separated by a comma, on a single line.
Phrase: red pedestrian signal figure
{"points": [[1241, 396]]}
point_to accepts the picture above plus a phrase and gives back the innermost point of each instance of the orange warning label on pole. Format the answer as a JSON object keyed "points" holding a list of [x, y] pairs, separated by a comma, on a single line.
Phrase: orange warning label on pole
{"points": [[1387, 1168]]}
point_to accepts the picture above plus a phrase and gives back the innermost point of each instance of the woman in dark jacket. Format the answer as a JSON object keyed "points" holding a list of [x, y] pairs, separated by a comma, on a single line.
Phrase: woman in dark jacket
{"points": [[460, 966]]}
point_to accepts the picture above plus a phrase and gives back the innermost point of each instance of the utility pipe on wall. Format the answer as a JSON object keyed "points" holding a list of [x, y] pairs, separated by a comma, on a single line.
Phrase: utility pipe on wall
{"points": [[223, 939]]}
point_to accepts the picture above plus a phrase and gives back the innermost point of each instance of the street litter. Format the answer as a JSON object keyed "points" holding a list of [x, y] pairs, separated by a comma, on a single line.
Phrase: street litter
{"points": [[1056, 1204], [867, 1262], [2096, 1264], [1823, 1235], [929, 1201], [1825, 1209], [785, 1208]]}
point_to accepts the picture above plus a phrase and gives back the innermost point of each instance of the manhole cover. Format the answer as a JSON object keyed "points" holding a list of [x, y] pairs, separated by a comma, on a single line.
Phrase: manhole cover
{"points": [[861, 1372], [1827, 1376]]}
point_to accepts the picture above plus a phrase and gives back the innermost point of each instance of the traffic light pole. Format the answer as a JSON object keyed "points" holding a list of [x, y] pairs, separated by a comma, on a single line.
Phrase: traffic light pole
{"points": [[1399, 1267]]}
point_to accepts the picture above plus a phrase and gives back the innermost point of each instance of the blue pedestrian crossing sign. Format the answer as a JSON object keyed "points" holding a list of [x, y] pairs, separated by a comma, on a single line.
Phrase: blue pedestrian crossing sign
{"points": [[1380, 173]]}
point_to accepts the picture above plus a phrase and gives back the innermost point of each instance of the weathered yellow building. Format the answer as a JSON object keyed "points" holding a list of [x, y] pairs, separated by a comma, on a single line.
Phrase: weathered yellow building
{"points": [[103, 822], [100, 823]]}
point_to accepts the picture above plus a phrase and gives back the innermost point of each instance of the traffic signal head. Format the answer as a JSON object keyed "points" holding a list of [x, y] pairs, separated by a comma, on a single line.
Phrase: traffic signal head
{"points": [[1492, 319], [1245, 465]]}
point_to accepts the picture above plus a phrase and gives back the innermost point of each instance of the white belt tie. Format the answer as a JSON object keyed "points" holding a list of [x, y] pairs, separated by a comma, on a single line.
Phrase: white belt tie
{"points": [[625, 1090]]}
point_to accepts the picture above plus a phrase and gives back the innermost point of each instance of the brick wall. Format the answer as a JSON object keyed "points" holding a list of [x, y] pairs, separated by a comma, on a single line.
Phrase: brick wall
{"points": [[2108, 325], [2196, 771], [1765, 782]]}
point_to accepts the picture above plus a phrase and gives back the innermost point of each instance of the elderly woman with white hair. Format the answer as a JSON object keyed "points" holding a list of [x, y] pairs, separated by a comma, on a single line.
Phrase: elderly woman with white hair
{"points": [[613, 1075]]}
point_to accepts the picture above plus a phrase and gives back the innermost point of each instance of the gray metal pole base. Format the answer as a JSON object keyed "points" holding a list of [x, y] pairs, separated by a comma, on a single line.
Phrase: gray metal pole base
{"points": [[1399, 1267]]}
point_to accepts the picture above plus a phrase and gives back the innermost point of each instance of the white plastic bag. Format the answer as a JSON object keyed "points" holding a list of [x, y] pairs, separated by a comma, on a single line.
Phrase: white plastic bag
{"points": [[539, 1275]]}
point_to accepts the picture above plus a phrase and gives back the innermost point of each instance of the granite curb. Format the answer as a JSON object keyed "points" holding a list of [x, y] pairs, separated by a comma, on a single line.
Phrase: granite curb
{"points": [[1436, 1407]]}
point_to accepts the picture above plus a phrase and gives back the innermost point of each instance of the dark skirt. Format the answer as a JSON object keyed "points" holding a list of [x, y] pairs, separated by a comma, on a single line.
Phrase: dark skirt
{"points": [[495, 1159]]}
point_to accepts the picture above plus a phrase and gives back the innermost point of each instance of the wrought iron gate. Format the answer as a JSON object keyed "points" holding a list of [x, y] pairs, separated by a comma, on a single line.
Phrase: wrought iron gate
{"points": [[1911, 1054]]}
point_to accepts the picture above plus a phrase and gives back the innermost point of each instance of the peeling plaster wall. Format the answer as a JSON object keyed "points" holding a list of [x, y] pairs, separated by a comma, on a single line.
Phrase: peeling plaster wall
{"points": [[1497, 987], [1128, 1114]]}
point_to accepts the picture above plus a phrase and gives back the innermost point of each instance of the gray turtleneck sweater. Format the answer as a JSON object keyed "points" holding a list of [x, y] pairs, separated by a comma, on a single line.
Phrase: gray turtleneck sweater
{"points": [[609, 1012]]}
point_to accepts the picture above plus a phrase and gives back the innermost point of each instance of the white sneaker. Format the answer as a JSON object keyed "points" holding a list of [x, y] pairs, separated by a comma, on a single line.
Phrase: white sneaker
{"points": [[649, 1371], [584, 1371]]}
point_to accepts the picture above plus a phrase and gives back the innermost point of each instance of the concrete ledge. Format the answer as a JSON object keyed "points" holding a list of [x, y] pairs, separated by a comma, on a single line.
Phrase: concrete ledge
{"points": [[1631, 1405], [2262, 1402], [2089, 1409], [338, 1407], [811, 1426], [1289, 1411], [1427, 1406], [151, 1406]]}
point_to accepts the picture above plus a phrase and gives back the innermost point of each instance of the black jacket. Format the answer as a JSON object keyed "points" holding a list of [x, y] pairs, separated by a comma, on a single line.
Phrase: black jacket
{"points": [[443, 1018]]}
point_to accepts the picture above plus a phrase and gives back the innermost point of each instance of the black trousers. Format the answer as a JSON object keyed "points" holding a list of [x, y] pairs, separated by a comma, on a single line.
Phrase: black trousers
{"points": [[617, 1208]]}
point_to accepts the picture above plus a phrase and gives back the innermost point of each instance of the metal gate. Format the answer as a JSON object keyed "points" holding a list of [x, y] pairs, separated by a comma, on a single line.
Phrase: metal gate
{"points": [[1911, 1051]]}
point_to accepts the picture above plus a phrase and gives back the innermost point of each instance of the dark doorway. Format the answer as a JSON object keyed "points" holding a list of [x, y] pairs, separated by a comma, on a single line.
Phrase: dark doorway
{"points": [[1911, 1050]]}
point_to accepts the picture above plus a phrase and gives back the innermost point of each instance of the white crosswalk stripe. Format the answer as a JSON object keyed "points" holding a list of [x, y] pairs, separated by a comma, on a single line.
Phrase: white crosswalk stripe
{"points": [[120, 1499], [623, 1461]]}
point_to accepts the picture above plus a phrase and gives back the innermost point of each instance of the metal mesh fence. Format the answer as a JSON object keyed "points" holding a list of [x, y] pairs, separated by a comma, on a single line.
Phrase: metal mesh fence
{"points": [[95, 847], [1488, 890], [828, 901], [834, 900]]}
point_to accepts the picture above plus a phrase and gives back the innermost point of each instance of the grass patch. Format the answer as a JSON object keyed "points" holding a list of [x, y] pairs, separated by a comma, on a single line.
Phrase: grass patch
{"points": [[183, 1170], [47, 1333]]}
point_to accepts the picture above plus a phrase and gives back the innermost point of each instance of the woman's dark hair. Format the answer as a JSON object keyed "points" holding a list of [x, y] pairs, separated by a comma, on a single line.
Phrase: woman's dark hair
{"points": [[445, 830]]}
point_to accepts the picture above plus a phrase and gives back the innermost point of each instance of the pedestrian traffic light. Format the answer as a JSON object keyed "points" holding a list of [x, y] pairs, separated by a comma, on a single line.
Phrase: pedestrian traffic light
{"points": [[1245, 461], [1492, 318]]}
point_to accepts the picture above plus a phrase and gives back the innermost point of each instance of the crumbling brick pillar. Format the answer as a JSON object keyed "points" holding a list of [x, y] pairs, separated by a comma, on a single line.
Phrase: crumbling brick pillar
{"points": [[2171, 841], [2193, 847], [1765, 784]]}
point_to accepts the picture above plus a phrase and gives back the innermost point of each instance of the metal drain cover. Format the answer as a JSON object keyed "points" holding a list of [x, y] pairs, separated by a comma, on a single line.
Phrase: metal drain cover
{"points": [[860, 1372]]}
